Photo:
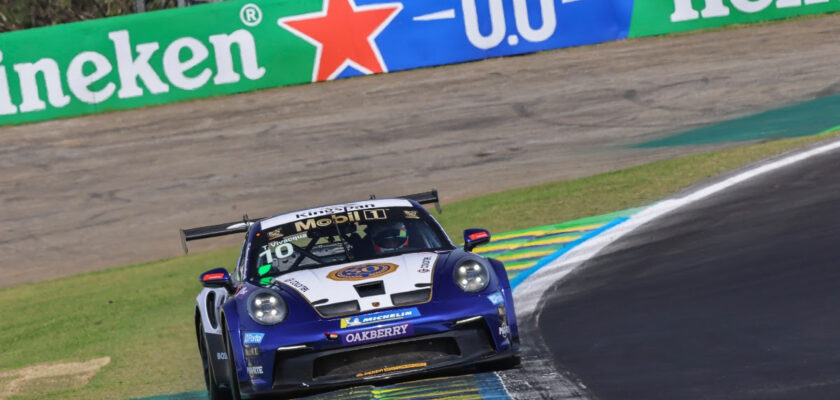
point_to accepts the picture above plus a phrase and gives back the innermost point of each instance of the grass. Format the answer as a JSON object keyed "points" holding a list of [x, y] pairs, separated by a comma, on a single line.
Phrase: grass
{"points": [[141, 315], [604, 193]]}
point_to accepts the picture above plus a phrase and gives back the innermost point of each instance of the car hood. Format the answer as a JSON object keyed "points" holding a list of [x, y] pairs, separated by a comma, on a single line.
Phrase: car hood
{"points": [[359, 280]]}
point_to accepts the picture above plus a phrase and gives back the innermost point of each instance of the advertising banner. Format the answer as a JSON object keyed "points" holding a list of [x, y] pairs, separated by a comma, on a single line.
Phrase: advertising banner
{"points": [[238, 46], [656, 17]]}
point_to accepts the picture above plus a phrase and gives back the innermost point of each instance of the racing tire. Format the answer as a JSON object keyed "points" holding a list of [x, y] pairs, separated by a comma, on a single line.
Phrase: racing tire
{"points": [[234, 377], [214, 391], [512, 362]]}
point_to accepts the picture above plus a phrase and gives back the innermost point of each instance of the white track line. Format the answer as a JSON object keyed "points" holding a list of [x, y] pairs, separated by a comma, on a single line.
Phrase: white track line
{"points": [[529, 293]]}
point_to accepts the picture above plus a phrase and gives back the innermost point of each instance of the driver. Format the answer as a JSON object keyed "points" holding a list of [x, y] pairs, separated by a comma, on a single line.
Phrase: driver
{"points": [[388, 237]]}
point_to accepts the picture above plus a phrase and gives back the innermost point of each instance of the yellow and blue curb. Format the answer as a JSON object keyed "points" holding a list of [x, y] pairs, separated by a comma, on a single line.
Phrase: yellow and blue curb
{"points": [[525, 251]]}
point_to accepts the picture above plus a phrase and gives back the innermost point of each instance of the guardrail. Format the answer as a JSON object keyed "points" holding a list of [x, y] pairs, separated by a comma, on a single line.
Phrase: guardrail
{"points": [[238, 46]]}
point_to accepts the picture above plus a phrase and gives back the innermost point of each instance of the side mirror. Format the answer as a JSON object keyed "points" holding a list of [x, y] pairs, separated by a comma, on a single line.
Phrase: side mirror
{"points": [[216, 278], [475, 237]]}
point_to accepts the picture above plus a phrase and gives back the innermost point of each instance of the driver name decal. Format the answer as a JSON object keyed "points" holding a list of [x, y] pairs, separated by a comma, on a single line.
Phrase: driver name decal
{"points": [[362, 271]]}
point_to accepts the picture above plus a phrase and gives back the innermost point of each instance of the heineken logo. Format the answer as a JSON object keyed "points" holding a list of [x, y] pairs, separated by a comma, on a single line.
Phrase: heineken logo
{"points": [[355, 47], [124, 68], [89, 78], [684, 10]]}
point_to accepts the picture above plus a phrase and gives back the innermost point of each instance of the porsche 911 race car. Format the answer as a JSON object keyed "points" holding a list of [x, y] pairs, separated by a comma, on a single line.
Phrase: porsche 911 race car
{"points": [[347, 294]]}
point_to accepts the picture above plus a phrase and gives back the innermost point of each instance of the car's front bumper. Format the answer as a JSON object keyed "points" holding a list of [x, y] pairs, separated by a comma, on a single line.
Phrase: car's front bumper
{"points": [[463, 346]]}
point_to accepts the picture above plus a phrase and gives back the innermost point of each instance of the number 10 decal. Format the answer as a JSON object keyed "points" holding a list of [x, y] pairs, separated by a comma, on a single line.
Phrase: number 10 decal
{"points": [[498, 27]]}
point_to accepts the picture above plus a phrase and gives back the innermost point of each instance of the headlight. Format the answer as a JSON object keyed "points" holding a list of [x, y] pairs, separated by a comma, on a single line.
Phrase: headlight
{"points": [[471, 276], [266, 307]]}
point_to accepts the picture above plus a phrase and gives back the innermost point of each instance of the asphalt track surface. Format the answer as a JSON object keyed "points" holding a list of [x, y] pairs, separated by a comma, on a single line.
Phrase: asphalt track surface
{"points": [[105, 190], [734, 296]]}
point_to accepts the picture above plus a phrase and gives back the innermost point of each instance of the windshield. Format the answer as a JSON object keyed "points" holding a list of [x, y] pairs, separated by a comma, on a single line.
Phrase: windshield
{"points": [[340, 238]]}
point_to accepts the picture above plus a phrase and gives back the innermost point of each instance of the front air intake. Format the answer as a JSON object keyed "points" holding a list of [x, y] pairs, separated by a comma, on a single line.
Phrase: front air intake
{"points": [[336, 309], [412, 297], [370, 289]]}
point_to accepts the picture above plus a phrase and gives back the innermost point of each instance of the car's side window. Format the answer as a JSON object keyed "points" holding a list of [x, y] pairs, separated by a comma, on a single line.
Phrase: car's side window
{"points": [[239, 272]]}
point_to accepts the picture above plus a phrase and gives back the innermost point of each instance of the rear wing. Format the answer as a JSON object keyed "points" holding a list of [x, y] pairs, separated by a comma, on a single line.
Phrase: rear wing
{"points": [[425, 198], [230, 228], [205, 232]]}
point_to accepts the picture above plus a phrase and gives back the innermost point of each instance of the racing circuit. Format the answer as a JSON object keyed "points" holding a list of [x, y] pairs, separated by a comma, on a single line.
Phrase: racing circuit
{"points": [[76, 185], [731, 296], [724, 291], [727, 297]]}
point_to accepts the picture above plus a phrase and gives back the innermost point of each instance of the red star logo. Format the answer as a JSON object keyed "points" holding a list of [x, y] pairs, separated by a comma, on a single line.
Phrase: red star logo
{"points": [[343, 35]]}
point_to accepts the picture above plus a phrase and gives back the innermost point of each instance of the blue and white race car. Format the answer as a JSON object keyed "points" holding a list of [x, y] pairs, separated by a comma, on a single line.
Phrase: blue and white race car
{"points": [[346, 294]]}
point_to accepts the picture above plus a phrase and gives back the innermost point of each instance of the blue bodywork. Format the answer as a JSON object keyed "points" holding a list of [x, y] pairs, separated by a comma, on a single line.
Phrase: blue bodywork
{"points": [[286, 358]]}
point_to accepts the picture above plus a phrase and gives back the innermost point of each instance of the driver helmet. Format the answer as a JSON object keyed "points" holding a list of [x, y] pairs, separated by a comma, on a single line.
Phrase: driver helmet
{"points": [[388, 237]]}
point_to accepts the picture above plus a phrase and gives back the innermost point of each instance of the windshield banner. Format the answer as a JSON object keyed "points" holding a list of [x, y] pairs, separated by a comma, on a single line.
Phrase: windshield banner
{"points": [[238, 46]]}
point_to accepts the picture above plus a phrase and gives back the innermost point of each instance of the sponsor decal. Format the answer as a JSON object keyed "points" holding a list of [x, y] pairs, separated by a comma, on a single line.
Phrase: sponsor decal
{"points": [[373, 215], [496, 298], [380, 317], [362, 271], [313, 223], [478, 235], [252, 351], [275, 234], [256, 370], [391, 369], [377, 334], [221, 356], [253, 338], [317, 212], [296, 284], [411, 214], [424, 265], [504, 331], [212, 277]]}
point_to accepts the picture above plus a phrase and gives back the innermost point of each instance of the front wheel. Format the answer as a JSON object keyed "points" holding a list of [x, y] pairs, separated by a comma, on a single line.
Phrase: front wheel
{"points": [[511, 362], [214, 391], [234, 377]]}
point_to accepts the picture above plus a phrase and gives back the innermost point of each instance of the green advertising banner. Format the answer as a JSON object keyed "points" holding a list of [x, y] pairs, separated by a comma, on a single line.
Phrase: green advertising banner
{"points": [[656, 17], [152, 58], [243, 45]]}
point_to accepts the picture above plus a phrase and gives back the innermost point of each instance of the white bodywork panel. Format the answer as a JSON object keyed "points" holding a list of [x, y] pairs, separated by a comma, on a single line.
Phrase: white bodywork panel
{"points": [[314, 285], [337, 208], [218, 296]]}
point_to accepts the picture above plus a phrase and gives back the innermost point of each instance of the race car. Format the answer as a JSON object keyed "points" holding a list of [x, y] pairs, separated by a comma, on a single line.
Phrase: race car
{"points": [[349, 294]]}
